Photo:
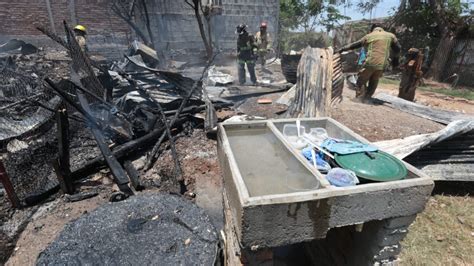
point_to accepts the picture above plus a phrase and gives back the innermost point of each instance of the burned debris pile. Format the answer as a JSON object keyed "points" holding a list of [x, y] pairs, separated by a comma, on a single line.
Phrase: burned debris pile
{"points": [[69, 116], [142, 230]]}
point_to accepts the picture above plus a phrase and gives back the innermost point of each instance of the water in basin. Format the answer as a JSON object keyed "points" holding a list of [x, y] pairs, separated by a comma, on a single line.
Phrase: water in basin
{"points": [[266, 166]]}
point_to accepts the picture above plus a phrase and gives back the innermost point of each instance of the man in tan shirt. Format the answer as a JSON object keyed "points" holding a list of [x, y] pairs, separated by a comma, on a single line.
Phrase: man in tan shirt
{"points": [[264, 43], [378, 44]]}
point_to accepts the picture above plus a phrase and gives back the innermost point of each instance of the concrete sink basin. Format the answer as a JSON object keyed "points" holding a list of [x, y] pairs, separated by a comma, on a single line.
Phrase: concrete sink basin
{"points": [[273, 197]]}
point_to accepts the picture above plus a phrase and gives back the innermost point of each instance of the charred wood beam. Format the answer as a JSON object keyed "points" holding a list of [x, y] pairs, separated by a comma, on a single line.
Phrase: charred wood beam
{"points": [[119, 174], [78, 119], [76, 106], [121, 151], [62, 165], [133, 174], [7, 184], [198, 108], [113, 108], [177, 165]]}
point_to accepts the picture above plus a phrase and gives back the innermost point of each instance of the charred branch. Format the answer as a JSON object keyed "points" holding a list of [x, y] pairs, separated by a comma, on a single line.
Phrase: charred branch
{"points": [[153, 155], [125, 11]]}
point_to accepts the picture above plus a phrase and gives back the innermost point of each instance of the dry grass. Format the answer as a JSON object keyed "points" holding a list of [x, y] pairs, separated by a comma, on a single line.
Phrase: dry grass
{"points": [[443, 234]]}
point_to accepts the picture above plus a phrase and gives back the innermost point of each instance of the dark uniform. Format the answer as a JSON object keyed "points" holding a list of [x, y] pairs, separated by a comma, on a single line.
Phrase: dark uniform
{"points": [[246, 49], [378, 44]]}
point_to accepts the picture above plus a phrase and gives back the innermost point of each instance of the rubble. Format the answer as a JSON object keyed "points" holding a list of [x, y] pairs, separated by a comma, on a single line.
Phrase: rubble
{"points": [[15, 45]]}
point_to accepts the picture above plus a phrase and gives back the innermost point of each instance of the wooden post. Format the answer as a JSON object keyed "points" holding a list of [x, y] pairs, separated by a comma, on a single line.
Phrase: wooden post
{"points": [[314, 84], [62, 166], [7, 184]]}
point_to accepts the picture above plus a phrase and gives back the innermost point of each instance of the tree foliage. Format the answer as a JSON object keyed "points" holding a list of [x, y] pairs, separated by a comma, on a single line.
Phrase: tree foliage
{"points": [[432, 23], [307, 16]]}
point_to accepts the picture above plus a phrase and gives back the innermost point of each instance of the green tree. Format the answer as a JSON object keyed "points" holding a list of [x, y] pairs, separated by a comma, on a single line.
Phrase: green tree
{"points": [[433, 23], [306, 16]]}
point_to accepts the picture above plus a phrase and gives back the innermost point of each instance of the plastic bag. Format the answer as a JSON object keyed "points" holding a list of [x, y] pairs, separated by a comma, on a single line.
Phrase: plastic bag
{"points": [[342, 178], [321, 164]]}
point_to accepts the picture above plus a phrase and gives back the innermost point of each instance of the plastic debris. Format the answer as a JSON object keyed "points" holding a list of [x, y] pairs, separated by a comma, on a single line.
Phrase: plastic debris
{"points": [[341, 177]]}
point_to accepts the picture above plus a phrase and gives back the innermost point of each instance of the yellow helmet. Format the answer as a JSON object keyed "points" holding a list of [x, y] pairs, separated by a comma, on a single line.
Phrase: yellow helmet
{"points": [[80, 28]]}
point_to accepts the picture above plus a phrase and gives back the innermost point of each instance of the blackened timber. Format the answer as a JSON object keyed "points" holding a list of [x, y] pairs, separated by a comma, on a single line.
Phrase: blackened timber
{"points": [[7, 184], [62, 168], [133, 174], [121, 152], [119, 174]]}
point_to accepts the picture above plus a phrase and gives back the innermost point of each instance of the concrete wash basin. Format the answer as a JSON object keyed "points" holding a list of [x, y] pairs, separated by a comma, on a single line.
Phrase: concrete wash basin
{"points": [[274, 198]]}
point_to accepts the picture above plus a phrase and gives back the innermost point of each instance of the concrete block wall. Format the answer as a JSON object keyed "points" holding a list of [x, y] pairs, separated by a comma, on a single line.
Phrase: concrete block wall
{"points": [[108, 34], [378, 243], [175, 28]]}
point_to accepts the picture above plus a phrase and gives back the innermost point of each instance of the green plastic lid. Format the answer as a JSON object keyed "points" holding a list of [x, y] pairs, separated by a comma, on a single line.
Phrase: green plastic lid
{"points": [[375, 166]]}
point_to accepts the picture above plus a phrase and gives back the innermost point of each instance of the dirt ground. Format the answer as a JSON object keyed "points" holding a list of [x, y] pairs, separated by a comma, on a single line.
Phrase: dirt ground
{"points": [[442, 235], [435, 100]]}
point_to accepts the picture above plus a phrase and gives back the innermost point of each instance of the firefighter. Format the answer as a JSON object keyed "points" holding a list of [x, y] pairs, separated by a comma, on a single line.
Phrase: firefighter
{"points": [[264, 44], [378, 44], [246, 54], [81, 33]]}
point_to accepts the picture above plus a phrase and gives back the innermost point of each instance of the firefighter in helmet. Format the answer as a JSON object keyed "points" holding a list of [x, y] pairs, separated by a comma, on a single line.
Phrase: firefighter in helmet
{"points": [[246, 54], [264, 43], [81, 33]]}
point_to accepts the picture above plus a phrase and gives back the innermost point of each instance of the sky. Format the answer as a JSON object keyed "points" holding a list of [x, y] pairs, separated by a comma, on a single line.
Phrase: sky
{"points": [[382, 10]]}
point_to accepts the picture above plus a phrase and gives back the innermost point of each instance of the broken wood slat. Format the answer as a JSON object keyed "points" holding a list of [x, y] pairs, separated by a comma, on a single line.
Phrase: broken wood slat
{"points": [[314, 84], [440, 116], [62, 166], [7, 184]]}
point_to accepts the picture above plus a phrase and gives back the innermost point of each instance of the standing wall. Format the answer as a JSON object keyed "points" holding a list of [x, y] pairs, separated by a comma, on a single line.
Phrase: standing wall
{"points": [[175, 28]]}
